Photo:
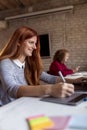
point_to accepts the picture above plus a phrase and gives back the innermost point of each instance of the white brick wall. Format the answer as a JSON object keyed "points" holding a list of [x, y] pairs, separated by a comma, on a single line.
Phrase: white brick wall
{"points": [[66, 29]]}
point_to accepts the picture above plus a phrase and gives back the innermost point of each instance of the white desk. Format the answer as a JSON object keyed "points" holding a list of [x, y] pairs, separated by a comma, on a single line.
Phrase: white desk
{"points": [[77, 75], [13, 115]]}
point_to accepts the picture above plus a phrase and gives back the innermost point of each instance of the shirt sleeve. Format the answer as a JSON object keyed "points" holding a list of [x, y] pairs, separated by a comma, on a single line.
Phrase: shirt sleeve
{"points": [[56, 67], [7, 78], [67, 71], [51, 79]]}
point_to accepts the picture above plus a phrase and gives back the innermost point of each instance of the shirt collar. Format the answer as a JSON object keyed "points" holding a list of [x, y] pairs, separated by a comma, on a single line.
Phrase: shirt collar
{"points": [[19, 64]]}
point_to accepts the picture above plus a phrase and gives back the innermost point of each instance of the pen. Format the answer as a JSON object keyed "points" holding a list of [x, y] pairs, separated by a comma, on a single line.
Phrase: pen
{"points": [[60, 74]]}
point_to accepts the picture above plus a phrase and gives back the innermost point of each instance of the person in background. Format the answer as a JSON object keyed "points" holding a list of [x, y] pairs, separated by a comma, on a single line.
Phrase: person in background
{"points": [[21, 70], [60, 58]]}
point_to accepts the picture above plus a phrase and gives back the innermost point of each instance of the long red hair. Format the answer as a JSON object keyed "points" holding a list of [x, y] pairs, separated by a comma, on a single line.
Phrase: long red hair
{"points": [[33, 65]]}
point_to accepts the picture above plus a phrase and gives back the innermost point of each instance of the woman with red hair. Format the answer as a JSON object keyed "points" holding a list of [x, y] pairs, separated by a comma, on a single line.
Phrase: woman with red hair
{"points": [[21, 69]]}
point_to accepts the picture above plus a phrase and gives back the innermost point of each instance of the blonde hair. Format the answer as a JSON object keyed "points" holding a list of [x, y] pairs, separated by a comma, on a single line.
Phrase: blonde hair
{"points": [[60, 55]]}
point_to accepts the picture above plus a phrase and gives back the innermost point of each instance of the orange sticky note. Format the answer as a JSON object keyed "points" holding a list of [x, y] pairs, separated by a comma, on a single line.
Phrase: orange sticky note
{"points": [[40, 122]]}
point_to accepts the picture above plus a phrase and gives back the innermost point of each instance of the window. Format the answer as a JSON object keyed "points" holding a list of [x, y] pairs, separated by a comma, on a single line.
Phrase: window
{"points": [[44, 45]]}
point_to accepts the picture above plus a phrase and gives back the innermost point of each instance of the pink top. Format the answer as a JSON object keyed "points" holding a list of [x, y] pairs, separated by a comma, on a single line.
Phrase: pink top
{"points": [[56, 66]]}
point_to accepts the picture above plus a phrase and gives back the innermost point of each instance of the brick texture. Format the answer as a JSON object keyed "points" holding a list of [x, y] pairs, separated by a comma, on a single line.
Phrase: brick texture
{"points": [[67, 29]]}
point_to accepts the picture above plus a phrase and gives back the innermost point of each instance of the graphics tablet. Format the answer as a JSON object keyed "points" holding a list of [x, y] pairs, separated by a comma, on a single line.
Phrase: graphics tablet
{"points": [[74, 99]]}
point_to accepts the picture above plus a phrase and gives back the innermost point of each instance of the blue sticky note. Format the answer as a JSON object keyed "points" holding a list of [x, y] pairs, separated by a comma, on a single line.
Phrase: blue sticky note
{"points": [[78, 122]]}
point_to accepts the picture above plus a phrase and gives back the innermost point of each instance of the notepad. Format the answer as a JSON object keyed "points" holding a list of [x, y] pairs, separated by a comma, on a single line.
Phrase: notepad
{"points": [[78, 122], [42, 122], [60, 122]]}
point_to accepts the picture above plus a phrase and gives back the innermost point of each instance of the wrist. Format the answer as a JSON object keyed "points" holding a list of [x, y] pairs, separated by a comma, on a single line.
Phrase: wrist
{"points": [[48, 90], [59, 80]]}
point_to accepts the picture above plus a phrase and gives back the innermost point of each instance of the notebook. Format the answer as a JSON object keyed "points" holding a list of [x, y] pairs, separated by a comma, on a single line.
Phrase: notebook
{"points": [[74, 99]]}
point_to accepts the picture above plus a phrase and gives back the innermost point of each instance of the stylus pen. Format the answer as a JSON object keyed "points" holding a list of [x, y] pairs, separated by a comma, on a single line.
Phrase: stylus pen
{"points": [[60, 74]]}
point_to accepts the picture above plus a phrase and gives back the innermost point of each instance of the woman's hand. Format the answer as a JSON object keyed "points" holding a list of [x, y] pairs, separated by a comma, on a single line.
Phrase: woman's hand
{"points": [[76, 69], [61, 90]]}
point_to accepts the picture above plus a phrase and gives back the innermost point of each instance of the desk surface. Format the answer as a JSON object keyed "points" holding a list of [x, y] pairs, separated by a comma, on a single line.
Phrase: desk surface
{"points": [[77, 75], [13, 115]]}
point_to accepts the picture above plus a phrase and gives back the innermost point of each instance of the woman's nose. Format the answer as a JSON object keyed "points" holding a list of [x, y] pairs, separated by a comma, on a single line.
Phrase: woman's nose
{"points": [[34, 46]]}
